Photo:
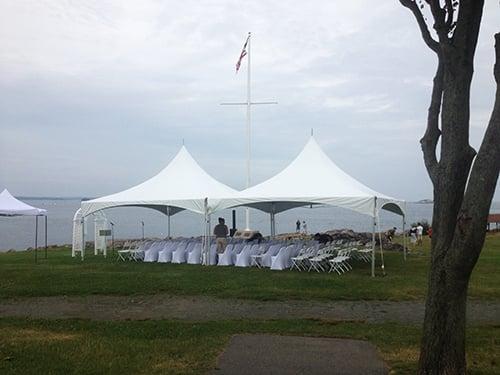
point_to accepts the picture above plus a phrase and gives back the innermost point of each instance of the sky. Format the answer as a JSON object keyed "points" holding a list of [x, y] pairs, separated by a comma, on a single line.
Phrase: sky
{"points": [[97, 96]]}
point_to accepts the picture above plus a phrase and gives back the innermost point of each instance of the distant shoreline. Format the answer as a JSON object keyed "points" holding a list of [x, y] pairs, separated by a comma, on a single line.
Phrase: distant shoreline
{"points": [[55, 198]]}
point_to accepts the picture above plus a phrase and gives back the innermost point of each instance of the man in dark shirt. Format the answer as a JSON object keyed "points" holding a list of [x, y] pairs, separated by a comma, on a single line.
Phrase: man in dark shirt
{"points": [[220, 232]]}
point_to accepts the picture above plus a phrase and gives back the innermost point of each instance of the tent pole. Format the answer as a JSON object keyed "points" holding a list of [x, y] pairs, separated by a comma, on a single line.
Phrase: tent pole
{"points": [[168, 226], [83, 238], [205, 237], [36, 238], [271, 222], [45, 236], [404, 237], [380, 241], [373, 236], [208, 238]]}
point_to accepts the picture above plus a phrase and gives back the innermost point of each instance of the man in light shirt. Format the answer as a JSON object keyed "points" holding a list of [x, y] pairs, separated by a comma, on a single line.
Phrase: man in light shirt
{"points": [[220, 232], [420, 232]]}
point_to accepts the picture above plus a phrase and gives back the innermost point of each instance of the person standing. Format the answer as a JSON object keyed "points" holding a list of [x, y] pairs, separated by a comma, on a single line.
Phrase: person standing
{"points": [[220, 232], [304, 227], [297, 226], [390, 234], [420, 233], [413, 235]]}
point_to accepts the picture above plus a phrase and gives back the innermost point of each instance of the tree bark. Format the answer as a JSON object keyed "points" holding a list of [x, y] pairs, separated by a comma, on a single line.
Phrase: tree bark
{"points": [[459, 222], [463, 186]]}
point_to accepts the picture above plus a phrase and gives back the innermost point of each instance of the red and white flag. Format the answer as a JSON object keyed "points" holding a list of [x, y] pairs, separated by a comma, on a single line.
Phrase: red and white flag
{"points": [[243, 54]]}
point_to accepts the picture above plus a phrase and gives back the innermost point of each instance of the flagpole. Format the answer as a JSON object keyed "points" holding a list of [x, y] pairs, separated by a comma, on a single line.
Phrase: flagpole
{"points": [[249, 101]]}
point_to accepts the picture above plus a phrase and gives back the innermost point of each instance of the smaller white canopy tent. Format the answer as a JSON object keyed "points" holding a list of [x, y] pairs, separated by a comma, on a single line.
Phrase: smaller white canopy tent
{"points": [[313, 178], [181, 185], [10, 206]]}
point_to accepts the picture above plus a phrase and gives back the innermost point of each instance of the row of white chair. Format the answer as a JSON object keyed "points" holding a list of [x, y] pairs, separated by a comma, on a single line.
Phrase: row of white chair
{"points": [[273, 255]]}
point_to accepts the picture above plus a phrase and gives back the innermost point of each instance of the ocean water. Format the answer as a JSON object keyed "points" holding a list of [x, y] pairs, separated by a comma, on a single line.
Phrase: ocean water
{"points": [[18, 232]]}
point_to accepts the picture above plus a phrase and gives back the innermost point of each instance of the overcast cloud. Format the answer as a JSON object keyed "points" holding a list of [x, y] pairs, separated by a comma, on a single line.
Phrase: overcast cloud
{"points": [[97, 96]]}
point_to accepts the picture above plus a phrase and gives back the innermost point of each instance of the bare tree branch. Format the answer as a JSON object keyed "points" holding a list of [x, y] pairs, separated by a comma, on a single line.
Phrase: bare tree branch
{"points": [[432, 133], [483, 178], [439, 15], [450, 11], [468, 23], [424, 29]]}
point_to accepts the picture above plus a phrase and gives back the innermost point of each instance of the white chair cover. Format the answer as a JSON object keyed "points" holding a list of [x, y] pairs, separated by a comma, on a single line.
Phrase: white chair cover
{"points": [[213, 254], [226, 258], [266, 258], [165, 255], [151, 254], [194, 256], [179, 255], [243, 259], [282, 260]]}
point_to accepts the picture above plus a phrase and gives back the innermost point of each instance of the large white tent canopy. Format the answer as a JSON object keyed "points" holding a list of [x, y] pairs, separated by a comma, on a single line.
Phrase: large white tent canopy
{"points": [[313, 178], [182, 184]]}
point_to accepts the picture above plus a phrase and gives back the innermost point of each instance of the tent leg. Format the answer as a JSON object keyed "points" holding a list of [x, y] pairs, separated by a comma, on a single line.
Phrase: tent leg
{"points": [[404, 237], [373, 234], [36, 238], [83, 238], [168, 226], [373, 248], [273, 228], [209, 230], [206, 248], [45, 236], [381, 249]]}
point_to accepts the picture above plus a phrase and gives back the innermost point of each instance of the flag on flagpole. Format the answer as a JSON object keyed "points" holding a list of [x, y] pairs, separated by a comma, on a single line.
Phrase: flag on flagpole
{"points": [[243, 54]]}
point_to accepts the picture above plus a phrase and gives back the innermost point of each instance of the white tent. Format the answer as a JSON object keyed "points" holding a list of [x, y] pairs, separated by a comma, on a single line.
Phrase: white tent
{"points": [[10, 206], [313, 178], [181, 185]]}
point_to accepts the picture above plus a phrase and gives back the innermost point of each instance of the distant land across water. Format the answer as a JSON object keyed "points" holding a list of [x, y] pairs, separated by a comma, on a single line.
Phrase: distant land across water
{"points": [[18, 232]]}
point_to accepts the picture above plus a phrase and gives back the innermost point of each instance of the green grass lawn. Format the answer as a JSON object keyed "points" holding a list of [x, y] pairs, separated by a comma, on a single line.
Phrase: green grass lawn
{"points": [[61, 274], [175, 347], [182, 347]]}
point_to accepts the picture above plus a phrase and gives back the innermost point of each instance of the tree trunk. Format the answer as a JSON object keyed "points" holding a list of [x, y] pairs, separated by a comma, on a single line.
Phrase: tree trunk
{"points": [[459, 222]]}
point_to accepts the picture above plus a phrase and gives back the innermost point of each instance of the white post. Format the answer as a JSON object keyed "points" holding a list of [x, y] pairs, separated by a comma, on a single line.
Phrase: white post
{"points": [[249, 104], [373, 235], [83, 237]]}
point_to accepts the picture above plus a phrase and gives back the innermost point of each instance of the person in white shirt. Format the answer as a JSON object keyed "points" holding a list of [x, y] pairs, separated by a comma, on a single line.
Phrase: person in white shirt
{"points": [[304, 227], [420, 232]]}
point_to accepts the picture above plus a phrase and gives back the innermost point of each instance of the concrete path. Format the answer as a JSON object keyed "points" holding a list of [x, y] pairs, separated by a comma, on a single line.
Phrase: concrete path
{"points": [[270, 354], [199, 308]]}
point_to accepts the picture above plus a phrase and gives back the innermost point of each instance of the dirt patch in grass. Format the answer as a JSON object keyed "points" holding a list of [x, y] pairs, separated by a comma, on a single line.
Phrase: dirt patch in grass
{"points": [[26, 334], [197, 308]]}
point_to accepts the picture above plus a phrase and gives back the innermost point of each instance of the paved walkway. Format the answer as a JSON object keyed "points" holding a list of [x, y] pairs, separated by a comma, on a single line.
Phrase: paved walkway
{"points": [[199, 308], [270, 354]]}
